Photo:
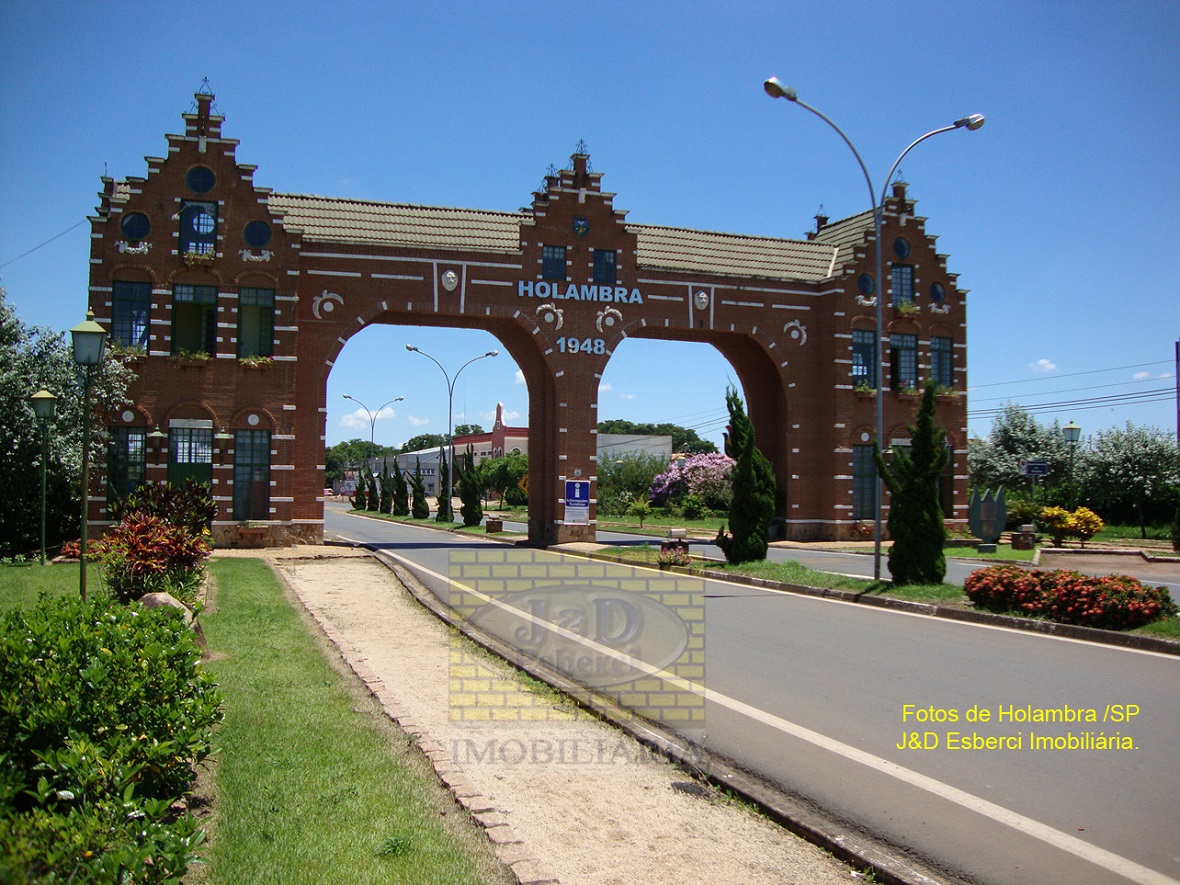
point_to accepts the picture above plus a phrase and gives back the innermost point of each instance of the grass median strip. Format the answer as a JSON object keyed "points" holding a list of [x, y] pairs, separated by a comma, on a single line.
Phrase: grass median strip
{"points": [[310, 785]]}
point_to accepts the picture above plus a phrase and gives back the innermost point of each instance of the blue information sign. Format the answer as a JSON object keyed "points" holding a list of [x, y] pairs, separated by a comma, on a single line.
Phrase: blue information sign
{"points": [[577, 502]]}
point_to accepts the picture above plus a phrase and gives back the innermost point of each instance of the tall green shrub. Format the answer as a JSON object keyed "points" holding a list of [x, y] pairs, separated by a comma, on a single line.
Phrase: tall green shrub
{"points": [[189, 504], [374, 498], [419, 508], [915, 514], [471, 486], [444, 499], [386, 505], [360, 501], [753, 489], [401, 500]]}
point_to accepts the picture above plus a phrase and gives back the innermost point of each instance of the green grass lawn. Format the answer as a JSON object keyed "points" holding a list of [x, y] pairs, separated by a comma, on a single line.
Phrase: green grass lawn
{"points": [[311, 785], [21, 584]]}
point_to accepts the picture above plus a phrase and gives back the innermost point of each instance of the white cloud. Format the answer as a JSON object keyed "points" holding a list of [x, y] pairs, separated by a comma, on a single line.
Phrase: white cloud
{"points": [[355, 419], [1141, 376], [417, 422], [520, 382], [1043, 365], [509, 416], [604, 388], [626, 396]]}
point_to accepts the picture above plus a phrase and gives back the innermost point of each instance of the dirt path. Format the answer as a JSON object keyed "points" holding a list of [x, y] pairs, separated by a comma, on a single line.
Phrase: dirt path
{"points": [[563, 796]]}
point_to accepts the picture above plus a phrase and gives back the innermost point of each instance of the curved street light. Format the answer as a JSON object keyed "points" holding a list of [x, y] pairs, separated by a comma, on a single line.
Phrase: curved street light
{"points": [[450, 410], [373, 421], [775, 88]]}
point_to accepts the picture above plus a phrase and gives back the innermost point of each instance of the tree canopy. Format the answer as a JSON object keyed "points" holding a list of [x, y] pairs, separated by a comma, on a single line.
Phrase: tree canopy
{"points": [[424, 441], [467, 429]]}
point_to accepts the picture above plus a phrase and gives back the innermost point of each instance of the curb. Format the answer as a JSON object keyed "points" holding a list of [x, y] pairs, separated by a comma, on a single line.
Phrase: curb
{"points": [[509, 847]]}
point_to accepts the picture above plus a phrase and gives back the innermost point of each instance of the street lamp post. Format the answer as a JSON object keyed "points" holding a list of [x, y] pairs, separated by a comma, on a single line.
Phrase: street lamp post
{"points": [[43, 407], [450, 411], [1072, 433], [373, 420], [776, 89], [90, 342]]}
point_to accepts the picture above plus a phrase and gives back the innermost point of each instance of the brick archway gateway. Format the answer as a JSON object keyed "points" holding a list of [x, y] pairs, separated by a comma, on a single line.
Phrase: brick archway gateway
{"points": [[232, 301]]}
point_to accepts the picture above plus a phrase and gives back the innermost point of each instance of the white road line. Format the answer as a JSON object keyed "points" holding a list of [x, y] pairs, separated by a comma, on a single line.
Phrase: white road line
{"points": [[1108, 860]]}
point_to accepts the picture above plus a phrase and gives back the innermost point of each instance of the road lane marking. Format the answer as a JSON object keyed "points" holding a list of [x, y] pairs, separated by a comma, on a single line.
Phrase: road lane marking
{"points": [[1108, 860]]}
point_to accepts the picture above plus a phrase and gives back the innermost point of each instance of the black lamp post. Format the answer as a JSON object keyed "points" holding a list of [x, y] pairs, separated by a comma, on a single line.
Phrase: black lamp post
{"points": [[777, 89], [43, 408], [1072, 434], [90, 342]]}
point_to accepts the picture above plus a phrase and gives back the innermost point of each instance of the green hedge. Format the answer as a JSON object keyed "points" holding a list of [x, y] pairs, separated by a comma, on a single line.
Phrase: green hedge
{"points": [[105, 711]]}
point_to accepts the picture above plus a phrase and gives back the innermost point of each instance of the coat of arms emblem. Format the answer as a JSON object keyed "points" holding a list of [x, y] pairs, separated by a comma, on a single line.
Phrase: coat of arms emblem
{"points": [[581, 225]]}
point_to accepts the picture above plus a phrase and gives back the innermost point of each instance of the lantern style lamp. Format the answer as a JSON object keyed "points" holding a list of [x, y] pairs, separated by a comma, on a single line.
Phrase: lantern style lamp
{"points": [[90, 344], [1072, 433]]}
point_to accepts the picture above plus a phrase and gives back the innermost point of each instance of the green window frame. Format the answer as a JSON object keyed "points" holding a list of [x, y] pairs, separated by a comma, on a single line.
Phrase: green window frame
{"points": [[194, 319], [942, 362], [553, 262], [126, 461], [864, 478], [256, 322], [190, 454], [864, 358], [903, 352], [251, 474], [131, 305]]}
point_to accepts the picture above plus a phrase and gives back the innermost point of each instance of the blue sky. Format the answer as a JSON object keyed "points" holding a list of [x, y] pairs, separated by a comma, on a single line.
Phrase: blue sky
{"points": [[1059, 215]]}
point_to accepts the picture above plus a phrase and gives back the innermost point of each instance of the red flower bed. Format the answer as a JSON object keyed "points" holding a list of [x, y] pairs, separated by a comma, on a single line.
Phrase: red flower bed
{"points": [[1117, 602]]}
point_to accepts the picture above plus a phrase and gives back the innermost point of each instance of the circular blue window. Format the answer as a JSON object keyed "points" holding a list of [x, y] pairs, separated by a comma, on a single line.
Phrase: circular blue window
{"points": [[901, 247], [136, 226], [200, 179], [937, 293], [257, 234], [866, 284]]}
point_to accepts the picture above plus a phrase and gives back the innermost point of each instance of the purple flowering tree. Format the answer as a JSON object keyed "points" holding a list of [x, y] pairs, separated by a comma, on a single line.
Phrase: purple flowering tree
{"points": [[709, 476]]}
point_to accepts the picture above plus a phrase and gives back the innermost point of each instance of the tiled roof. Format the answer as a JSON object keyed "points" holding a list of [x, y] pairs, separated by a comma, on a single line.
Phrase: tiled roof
{"points": [[846, 234], [335, 220], [677, 249]]}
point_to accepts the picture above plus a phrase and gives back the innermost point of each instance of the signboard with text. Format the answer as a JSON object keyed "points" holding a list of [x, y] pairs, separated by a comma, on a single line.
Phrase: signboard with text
{"points": [[577, 502]]}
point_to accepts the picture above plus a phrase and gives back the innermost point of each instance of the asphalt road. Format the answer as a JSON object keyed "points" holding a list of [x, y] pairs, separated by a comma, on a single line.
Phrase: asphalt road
{"points": [[817, 696]]}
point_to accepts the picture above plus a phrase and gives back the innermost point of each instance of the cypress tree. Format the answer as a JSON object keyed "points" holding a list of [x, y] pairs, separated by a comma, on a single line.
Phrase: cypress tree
{"points": [[419, 509], [471, 489], [753, 489], [444, 499], [386, 490], [401, 500], [359, 499], [915, 515]]}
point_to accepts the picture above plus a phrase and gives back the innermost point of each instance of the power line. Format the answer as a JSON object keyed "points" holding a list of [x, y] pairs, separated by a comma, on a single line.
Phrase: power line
{"points": [[46, 243], [1159, 395], [1071, 390], [1067, 375]]}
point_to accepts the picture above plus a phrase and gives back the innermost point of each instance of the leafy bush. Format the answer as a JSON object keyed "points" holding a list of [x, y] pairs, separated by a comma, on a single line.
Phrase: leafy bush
{"points": [[145, 554], [105, 711], [189, 505], [693, 506], [1086, 524], [641, 509], [1057, 522], [1116, 602]]}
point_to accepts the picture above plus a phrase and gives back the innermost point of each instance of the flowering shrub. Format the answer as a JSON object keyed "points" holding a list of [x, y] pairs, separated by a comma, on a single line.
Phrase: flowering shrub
{"points": [[708, 476], [1117, 602], [146, 554], [1057, 522], [1086, 524], [1083, 523], [673, 555]]}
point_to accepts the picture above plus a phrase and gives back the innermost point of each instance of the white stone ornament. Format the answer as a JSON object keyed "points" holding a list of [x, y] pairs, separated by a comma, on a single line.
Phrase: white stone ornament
{"points": [[325, 303], [450, 281], [701, 300], [551, 314], [607, 318], [798, 333]]}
